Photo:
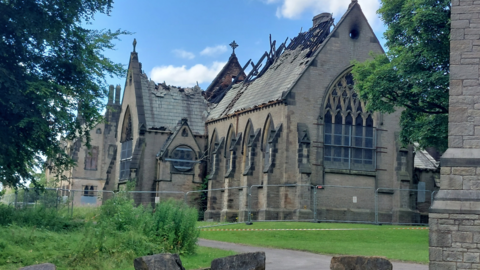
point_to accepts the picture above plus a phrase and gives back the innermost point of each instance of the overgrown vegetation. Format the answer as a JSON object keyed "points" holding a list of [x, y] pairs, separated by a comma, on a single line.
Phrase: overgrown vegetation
{"points": [[20, 246], [107, 238]]}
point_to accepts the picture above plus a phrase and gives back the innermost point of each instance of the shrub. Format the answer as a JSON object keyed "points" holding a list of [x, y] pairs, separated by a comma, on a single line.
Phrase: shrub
{"points": [[175, 225], [125, 231]]}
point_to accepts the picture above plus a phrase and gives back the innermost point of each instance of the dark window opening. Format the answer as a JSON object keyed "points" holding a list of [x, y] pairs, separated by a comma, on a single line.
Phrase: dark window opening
{"points": [[354, 34]]}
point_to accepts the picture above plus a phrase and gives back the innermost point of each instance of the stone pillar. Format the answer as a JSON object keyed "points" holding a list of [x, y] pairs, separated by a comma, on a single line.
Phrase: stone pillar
{"points": [[454, 216]]}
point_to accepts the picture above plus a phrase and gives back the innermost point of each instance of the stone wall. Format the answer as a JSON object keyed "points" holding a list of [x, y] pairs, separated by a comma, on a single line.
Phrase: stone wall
{"points": [[301, 113], [454, 216]]}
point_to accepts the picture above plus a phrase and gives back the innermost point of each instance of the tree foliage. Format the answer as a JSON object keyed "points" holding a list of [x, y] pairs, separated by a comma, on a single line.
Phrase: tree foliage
{"points": [[51, 67], [414, 72]]}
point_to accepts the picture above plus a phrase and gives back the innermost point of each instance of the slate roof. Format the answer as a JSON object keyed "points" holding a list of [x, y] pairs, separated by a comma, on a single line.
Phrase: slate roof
{"points": [[273, 85], [277, 80], [166, 105], [424, 161]]}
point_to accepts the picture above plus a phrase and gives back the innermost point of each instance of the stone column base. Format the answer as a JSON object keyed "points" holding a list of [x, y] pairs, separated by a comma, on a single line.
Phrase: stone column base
{"points": [[455, 230]]}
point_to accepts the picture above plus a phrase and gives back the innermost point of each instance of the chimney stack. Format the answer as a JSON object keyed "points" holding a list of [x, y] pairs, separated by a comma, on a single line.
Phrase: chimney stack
{"points": [[110, 94], [117, 94], [323, 17]]}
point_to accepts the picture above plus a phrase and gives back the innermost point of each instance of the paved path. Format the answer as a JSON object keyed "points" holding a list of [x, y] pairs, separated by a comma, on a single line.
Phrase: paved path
{"points": [[284, 259]]}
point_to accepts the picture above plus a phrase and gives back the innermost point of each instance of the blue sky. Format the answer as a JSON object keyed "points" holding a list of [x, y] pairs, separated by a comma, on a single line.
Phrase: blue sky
{"points": [[182, 42]]}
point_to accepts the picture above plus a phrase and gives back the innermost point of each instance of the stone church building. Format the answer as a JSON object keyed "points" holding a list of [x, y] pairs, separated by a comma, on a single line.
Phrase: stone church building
{"points": [[289, 129]]}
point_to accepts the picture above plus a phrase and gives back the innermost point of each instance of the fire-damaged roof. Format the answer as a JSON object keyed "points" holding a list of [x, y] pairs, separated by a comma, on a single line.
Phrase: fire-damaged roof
{"points": [[277, 71], [166, 105]]}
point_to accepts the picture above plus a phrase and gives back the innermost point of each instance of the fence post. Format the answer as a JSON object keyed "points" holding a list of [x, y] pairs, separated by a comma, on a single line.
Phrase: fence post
{"points": [[25, 196], [315, 204], [73, 200], [376, 206]]}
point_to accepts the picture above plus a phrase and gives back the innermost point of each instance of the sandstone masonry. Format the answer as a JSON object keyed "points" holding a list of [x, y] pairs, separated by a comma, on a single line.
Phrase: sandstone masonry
{"points": [[454, 217]]}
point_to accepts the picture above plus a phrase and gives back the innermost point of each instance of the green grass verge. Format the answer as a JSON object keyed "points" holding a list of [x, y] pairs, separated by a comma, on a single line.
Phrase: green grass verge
{"points": [[26, 246], [402, 245]]}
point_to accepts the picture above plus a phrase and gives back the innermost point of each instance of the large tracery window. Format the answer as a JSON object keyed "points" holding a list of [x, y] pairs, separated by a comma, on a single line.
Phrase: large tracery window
{"points": [[349, 133]]}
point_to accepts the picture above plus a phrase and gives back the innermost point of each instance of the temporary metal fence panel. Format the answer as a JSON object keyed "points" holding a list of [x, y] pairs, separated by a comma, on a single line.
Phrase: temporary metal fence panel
{"points": [[8, 199], [154, 197], [221, 204], [198, 199], [336, 203], [287, 202], [283, 202], [403, 206]]}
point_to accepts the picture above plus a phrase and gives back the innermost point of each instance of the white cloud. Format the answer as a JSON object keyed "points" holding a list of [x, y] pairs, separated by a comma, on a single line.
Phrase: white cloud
{"points": [[183, 76], [292, 9], [214, 51], [183, 54]]}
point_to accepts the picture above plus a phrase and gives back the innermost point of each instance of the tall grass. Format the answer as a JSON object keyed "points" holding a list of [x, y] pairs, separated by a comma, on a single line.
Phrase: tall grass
{"points": [[39, 216], [118, 230]]}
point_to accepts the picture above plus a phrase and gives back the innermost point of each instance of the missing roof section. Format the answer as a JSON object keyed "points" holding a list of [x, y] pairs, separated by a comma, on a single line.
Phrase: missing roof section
{"points": [[276, 71], [310, 40]]}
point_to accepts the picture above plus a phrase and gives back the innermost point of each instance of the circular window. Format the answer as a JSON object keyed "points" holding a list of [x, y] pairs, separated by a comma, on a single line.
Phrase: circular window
{"points": [[183, 158]]}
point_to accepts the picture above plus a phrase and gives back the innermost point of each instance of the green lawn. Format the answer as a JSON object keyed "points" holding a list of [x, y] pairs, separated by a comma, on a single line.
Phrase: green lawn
{"points": [[26, 246], [369, 240]]}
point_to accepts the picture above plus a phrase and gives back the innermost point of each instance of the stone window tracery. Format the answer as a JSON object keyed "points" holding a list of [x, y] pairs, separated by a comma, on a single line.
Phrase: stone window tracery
{"points": [[349, 135], [127, 145], [183, 158], [125, 159]]}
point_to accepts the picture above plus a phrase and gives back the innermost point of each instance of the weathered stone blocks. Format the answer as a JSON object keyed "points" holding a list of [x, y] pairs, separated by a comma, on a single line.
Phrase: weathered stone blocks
{"points": [[244, 261], [360, 263], [463, 237], [43, 266], [165, 261]]}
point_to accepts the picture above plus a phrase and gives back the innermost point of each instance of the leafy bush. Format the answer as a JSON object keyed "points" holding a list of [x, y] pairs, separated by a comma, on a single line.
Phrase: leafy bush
{"points": [[126, 231], [172, 225]]}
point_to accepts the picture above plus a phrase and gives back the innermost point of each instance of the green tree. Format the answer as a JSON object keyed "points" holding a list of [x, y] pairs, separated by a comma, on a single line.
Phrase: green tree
{"points": [[51, 68], [414, 72]]}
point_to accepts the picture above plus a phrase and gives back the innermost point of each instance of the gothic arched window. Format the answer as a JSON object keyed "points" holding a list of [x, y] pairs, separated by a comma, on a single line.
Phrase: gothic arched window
{"points": [[349, 135], [126, 149], [214, 143], [269, 133], [249, 148], [230, 152]]}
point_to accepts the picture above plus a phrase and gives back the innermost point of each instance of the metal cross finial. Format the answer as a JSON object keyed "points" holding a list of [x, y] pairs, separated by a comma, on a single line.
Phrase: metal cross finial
{"points": [[134, 44], [234, 45]]}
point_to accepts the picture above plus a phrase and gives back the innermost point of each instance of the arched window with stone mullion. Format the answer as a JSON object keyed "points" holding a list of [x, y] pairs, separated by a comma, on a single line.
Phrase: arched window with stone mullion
{"points": [[349, 133]]}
